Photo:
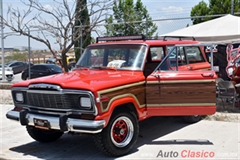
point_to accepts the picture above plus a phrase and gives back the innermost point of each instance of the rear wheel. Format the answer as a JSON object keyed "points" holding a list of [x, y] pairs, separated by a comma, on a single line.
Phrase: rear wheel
{"points": [[192, 119], [43, 136], [120, 135]]}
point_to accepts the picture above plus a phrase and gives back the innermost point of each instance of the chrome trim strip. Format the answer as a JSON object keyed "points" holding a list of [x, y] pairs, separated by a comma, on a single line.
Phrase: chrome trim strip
{"points": [[13, 115], [180, 104], [119, 97], [19, 88], [99, 93], [119, 88], [180, 81], [74, 125], [45, 86]]}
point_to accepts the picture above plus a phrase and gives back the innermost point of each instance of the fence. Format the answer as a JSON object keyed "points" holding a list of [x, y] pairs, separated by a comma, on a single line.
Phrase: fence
{"points": [[37, 60]]}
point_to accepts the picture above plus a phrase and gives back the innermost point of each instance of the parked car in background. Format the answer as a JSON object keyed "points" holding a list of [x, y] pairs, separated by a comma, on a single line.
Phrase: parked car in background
{"points": [[6, 68], [71, 66], [53, 60], [40, 70], [18, 66], [70, 60], [8, 73]]}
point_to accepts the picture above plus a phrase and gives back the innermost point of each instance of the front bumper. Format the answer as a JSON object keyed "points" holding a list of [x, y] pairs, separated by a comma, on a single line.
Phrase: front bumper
{"points": [[62, 123]]}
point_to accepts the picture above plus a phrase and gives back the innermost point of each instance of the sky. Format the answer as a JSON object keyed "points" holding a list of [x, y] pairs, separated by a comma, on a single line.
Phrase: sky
{"points": [[158, 9]]}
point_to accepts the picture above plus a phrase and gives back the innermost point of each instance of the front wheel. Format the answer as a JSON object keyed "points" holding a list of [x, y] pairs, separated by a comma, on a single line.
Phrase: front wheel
{"points": [[119, 136], [44, 136]]}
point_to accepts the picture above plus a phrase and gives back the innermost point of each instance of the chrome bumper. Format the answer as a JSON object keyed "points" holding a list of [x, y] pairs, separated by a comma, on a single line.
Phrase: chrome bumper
{"points": [[62, 123]]}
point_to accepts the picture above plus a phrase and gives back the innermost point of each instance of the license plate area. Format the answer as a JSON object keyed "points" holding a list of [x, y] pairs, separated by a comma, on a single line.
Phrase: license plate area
{"points": [[41, 123]]}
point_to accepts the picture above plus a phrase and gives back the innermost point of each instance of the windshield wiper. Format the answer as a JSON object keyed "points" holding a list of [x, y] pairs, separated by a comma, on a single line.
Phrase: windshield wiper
{"points": [[81, 68]]}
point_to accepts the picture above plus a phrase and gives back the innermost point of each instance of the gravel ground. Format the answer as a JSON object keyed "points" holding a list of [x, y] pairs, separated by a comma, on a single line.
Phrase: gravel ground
{"points": [[6, 97]]}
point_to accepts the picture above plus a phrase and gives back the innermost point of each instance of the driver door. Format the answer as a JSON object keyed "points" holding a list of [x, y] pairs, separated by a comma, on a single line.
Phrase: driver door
{"points": [[174, 92]]}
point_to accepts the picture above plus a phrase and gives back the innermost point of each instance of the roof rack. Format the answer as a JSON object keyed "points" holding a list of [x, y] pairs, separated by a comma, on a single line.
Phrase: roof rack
{"points": [[179, 37], [120, 38]]}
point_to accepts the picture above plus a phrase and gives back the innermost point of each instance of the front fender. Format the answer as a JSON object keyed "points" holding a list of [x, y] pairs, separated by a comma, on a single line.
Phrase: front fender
{"points": [[113, 104]]}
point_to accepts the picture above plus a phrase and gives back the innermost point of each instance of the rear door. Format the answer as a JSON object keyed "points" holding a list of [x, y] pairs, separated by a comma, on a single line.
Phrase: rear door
{"points": [[170, 91]]}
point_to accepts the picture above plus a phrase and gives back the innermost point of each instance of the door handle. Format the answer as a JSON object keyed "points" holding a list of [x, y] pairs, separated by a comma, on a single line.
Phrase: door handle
{"points": [[190, 67], [207, 74]]}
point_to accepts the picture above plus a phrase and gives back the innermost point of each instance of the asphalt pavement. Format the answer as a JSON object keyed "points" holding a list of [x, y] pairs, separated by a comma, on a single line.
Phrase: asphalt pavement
{"points": [[160, 138]]}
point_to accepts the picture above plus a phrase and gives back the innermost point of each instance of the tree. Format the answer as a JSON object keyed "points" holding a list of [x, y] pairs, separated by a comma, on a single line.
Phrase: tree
{"points": [[129, 19], [200, 10], [81, 18], [215, 7], [56, 21]]}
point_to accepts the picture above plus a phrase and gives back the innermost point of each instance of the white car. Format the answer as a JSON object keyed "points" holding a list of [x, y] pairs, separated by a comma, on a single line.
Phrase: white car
{"points": [[8, 73]]}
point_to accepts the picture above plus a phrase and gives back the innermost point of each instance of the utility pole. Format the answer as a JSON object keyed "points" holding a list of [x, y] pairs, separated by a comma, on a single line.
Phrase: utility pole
{"points": [[232, 8], [2, 39], [29, 57]]}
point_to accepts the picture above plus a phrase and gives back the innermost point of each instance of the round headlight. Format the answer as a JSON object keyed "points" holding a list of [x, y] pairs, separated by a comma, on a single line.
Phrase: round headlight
{"points": [[19, 97], [85, 102]]}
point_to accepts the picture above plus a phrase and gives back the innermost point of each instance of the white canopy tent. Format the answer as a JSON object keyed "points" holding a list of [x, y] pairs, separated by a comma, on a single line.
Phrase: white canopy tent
{"points": [[223, 30]]}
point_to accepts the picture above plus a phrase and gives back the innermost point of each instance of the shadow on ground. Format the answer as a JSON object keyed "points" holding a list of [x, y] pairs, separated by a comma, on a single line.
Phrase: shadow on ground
{"points": [[82, 146]]}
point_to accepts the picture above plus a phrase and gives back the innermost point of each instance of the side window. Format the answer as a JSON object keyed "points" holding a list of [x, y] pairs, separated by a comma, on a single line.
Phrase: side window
{"points": [[170, 64], [157, 53], [36, 68], [181, 57], [46, 69], [14, 64], [194, 55]]}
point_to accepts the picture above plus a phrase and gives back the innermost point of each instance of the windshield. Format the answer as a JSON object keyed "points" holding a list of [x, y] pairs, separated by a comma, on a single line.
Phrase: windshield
{"points": [[122, 57]]}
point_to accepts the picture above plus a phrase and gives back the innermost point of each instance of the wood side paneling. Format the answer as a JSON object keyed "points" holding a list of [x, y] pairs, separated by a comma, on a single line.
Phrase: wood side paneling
{"points": [[181, 93], [136, 91]]}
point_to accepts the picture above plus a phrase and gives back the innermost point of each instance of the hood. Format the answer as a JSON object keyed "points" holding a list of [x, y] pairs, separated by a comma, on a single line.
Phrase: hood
{"points": [[6, 72], [92, 80]]}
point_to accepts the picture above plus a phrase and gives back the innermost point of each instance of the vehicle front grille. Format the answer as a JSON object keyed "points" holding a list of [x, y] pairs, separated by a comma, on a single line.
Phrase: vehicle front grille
{"points": [[48, 98], [58, 101]]}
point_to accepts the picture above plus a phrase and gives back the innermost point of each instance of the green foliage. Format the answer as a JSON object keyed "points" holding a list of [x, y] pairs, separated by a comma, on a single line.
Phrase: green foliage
{"points": [[16, 56], [16, 50], [215, 7], [82, 19], [129, 19]]}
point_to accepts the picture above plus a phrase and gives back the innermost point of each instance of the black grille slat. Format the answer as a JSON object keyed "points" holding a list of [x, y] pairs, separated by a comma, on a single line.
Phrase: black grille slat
{"points": [[57, 101]]}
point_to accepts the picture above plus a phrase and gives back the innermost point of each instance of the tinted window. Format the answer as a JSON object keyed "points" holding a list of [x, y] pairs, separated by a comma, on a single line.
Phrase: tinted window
{"points": [[56, 68], [14, 64], [38, 67]]}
